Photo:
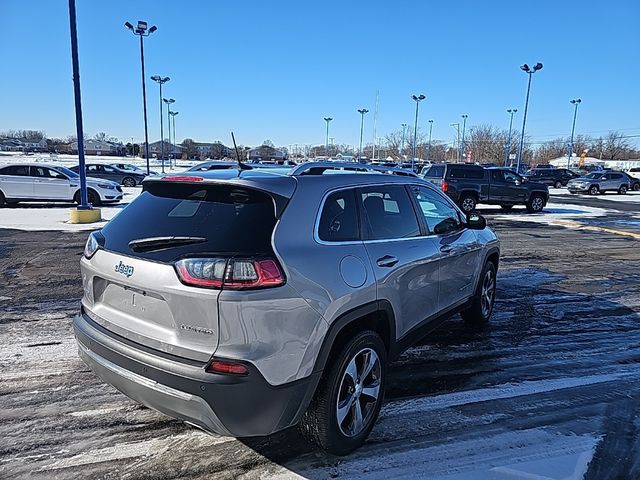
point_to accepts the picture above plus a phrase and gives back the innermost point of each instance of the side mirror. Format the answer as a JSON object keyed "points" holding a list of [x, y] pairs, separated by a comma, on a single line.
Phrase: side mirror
{"points": [[476, 221]]}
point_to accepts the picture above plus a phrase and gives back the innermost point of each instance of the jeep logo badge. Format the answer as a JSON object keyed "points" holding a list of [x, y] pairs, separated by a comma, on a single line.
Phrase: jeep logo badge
{"points": [[126, 270]]}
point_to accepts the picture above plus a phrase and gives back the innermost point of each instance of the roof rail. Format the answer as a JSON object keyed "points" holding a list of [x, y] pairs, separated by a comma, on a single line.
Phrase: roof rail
{"points": [[318, 168]]}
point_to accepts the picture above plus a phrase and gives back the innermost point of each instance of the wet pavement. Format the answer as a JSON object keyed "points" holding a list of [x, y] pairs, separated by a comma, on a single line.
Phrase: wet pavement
{"points": [[549, 389]]}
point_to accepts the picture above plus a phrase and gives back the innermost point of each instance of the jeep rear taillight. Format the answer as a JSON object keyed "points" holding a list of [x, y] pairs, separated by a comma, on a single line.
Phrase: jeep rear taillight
{"points": [[231, 273], [444, 185]]}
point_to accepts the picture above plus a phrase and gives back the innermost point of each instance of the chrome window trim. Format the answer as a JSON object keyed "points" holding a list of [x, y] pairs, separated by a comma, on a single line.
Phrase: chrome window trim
{"points": [[316, 236]]}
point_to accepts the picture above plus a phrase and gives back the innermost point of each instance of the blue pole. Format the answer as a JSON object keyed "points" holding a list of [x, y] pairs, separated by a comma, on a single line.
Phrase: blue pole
{"points": [[84, 203]]}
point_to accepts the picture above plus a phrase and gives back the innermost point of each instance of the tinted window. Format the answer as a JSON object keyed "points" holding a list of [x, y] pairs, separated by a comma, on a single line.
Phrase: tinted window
{"points": [[94, 168], [475, 173], [497, 176], [108, 169], [45, 172], [435, 171], [439, 215], [615, 176], [388, 213], [233, 220], [339, 219], [17, 170]]}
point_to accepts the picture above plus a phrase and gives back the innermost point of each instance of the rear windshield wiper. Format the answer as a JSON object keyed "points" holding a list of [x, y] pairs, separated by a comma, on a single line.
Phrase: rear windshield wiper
{"points": [[160, 243]]}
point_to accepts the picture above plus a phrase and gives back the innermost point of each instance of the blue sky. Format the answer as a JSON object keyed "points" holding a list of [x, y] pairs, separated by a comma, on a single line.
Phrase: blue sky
{"points": [[275, 69]]}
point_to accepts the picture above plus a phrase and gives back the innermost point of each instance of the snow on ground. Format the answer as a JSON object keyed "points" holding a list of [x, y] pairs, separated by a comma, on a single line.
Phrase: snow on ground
{"points": [[55, 216], [552, 213], [71, 160]]}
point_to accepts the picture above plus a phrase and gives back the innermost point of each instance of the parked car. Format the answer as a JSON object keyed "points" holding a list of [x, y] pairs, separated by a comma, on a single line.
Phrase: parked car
{"points": [[108, 172], [468, 185], [213, 165], [634, 172], [553, 177], [600, 182], [129, 167], [246, 302], [28, 182], [634, 182]]}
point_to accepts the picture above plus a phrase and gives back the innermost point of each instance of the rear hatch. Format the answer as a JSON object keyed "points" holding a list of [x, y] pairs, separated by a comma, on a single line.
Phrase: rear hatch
{"points": [[435, 174], [132, 283]]}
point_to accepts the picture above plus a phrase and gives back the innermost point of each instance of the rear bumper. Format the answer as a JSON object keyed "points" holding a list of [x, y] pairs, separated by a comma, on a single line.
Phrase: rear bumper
{"points": [[226, 405]]}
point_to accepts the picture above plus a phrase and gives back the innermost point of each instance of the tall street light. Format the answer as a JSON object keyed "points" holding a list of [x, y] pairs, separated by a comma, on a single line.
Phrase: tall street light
{"points": [[417, 99], [507, 147], [326, 140], [464, 128], [141, 30], [530, 71], [173, 118], [457, 127], [575, 103], [161, 81], [429, 147], [362, 113], [168, 101], [404, 129]]}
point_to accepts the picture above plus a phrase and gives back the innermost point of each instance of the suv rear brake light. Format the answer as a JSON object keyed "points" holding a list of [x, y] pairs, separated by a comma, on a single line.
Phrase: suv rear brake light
{"points": [[233, 273], [444, 185], [183, 178]]}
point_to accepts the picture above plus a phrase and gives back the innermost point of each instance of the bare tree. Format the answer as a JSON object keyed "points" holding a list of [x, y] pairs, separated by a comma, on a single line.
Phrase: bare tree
{"points": [[101, 136], [616, 146]]}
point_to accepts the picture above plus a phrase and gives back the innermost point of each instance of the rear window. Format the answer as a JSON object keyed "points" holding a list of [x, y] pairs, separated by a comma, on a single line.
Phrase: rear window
{"points": [[476, 173], [436, 171], [232, 221]]}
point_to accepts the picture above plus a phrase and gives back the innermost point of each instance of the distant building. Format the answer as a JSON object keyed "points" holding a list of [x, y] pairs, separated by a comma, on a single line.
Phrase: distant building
{"points": [[266, 153], [23, 145], [93, 146], [155, 150]]}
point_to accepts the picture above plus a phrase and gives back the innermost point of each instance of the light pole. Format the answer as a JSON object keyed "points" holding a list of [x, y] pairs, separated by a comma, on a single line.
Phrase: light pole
{"points": [[457, 127], [362, 112], [141, 31], [161, 81], [173, 117], [326, 140], [168, 101], [404, 129], [507, 147], [429, 147], [133, 150], [417, 99], [575, 103], [464, 128], [75, 65], [530, 71]]}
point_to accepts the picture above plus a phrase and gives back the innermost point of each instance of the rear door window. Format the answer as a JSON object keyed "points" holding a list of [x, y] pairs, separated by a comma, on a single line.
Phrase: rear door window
{"points": [[388, 213], [339, 218], [232, 220], [436, 171]]}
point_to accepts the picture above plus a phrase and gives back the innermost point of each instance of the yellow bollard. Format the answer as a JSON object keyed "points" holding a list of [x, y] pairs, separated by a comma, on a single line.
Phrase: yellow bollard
{"points": [[84, 216]]}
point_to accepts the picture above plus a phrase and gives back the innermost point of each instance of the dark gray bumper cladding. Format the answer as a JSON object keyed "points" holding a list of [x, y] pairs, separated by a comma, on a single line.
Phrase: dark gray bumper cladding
{"points": [[227, 405]]}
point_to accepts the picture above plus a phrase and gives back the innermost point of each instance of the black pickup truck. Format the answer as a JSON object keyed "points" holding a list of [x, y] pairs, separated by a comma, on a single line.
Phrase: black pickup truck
{"points": [[469, 185]]}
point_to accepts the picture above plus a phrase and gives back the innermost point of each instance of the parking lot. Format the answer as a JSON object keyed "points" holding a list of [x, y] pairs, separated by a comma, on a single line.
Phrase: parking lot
{"points": [[549, 389]]}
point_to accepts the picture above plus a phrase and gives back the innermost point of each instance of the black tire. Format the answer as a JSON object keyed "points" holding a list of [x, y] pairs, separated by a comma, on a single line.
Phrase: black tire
{"points": [[506, 207], [558, 184], [320, 423], [594, 190], [479, 312], [636, 187], [129, 182], [93, 197], [535, 203], [468, 202], [622, 190], [3, 201]]}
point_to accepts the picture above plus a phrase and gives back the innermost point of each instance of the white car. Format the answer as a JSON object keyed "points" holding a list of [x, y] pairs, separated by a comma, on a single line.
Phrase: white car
{"points": [[28, 182]]}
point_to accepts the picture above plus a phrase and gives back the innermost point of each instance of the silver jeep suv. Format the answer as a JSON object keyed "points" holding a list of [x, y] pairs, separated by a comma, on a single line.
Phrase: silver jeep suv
{"points": [[247, 301]]}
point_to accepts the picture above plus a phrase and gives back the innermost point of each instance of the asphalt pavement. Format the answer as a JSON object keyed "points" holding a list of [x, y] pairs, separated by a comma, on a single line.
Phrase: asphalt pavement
{"points": [[549, 389]]}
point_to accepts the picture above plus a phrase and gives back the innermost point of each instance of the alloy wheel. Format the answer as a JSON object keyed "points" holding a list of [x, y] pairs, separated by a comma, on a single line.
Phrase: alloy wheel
{"points": [[487, 293], [359, 392], [537, 204]]}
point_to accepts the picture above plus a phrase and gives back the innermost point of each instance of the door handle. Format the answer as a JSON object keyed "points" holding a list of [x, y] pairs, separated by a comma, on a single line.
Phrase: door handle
{"points": [[387, 261], [446, 249]]}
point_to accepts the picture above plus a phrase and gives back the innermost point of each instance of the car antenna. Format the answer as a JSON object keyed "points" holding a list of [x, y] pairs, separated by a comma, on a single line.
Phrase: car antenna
{"points": [[241, 166]]}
